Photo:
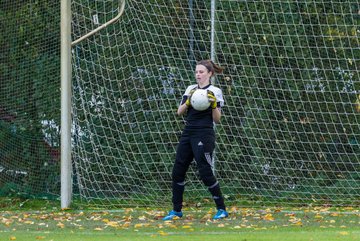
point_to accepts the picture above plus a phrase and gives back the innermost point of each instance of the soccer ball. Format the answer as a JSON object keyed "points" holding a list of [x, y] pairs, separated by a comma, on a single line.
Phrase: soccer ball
{"points": [[199, 100]]}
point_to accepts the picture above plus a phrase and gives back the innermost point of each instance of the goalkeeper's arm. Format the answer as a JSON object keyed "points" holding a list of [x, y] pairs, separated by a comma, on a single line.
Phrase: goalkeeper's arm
{"points": [[216, 115], [182, 109]]}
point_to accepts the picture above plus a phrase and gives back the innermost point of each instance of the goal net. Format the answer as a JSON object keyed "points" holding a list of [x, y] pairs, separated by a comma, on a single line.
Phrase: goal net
{"points": [[290, 126], [29, 98]]}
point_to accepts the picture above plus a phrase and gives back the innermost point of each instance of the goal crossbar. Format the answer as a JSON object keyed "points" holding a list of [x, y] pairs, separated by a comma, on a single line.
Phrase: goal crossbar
{"points": [[113, 20]]}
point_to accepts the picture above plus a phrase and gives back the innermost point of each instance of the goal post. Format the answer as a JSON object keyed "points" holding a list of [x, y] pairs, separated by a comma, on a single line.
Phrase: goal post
{"points": [[65, 131], [66, 75], [289, 131]]}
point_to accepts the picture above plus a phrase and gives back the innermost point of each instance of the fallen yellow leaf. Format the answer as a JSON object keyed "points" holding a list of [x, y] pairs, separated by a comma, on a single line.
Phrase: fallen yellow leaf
{"points": [[138, 225], [162, 233], [112, 224], [126, 225], [298, 223], [60, 225], [269, 217]]}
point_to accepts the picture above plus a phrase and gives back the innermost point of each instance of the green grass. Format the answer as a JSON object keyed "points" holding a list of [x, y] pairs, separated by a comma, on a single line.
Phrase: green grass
{"points": [[43, 220], [296, 235]]}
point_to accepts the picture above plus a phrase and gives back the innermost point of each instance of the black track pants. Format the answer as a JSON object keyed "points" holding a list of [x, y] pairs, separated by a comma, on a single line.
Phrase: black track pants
{"points": [[198, 145]]}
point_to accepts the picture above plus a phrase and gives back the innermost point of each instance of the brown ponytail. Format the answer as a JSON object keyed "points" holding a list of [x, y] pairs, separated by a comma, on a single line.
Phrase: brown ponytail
{"points": [[211, 66]]}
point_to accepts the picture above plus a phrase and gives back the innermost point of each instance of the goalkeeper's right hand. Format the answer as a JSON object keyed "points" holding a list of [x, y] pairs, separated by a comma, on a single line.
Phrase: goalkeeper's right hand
{"points": [[188, 100]]}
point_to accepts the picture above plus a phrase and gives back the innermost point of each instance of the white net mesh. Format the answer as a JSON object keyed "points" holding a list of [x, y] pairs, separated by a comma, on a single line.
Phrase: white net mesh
{"points": [[29, 98], [289, 130]]}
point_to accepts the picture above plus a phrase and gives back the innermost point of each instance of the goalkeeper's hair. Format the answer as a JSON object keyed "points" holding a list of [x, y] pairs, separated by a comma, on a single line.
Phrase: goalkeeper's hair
{"points": [[211, 66]]}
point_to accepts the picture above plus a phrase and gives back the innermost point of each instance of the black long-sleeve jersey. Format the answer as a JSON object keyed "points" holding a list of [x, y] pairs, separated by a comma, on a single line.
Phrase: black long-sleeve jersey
{"points": [[201, 119]]}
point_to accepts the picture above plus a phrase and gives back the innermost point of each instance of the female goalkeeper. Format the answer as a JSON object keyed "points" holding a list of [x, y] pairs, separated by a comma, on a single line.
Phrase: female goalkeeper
{"points": [[198, 141]]}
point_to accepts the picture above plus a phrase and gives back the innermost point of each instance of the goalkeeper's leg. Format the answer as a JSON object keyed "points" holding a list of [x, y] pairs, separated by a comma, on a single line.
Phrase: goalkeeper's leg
{"points": [[203, 148], [208, 178], [184, 157]]}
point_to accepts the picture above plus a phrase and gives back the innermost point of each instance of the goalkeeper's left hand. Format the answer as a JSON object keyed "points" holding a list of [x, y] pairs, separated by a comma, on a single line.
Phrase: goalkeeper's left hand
{"points": [[212, 99]]}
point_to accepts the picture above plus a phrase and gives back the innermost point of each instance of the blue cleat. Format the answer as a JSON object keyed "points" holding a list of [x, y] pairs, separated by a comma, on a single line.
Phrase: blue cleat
{"points": [[221, 213], [172, 215]]}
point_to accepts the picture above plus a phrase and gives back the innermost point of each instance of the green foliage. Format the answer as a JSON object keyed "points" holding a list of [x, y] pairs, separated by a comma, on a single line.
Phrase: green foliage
{"points": [[292, 85], [28, 166], [290, 82], [29, 95]]}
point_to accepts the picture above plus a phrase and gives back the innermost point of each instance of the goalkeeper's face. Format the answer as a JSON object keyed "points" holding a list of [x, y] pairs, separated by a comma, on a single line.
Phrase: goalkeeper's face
{"points": [[202, 75]]}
